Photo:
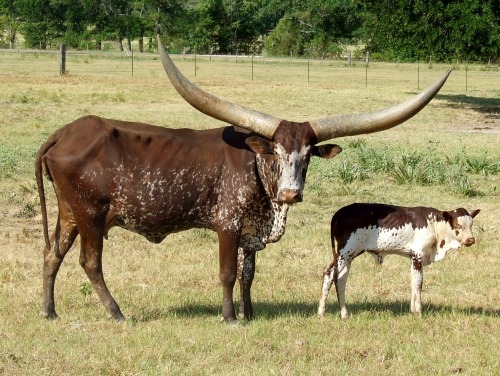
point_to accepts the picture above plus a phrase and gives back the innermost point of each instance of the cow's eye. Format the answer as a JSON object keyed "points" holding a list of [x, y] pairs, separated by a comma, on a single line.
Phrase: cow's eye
{"points": [[273, 166]]}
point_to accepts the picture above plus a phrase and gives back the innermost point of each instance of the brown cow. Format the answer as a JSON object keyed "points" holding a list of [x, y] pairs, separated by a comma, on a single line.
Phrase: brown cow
{"points": [[156, 181]]}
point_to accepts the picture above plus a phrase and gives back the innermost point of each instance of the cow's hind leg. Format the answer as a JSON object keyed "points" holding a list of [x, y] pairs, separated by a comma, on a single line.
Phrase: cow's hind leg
{"points": [[343, 267], [62, 240], [329, 276], [416, 284], [246, 273], [91, 261]]}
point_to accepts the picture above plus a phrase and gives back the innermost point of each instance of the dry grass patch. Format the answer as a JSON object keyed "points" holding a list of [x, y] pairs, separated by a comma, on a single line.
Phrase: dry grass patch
{"points": [[170, 292]]}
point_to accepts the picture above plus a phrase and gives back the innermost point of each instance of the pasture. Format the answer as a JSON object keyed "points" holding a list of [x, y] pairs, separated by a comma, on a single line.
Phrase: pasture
{"points": [[447, 156]]}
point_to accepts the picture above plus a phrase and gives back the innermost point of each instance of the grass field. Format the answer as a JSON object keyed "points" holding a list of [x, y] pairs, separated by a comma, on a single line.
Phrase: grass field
{"points": [[447, 156]]}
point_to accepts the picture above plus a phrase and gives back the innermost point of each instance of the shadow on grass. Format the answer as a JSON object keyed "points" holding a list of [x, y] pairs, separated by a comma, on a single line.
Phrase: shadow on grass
{"points": [[273, 310], [488, 106]]}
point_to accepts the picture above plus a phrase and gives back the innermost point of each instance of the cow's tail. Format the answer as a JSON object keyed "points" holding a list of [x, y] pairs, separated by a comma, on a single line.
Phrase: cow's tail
{"points": [[39, 161]]}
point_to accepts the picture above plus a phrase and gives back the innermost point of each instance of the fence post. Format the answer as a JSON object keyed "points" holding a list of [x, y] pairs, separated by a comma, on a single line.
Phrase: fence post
{"points": [[367, 62], [466, 75], [308, 69], [62, 65], [252, 67], [418, 75]]}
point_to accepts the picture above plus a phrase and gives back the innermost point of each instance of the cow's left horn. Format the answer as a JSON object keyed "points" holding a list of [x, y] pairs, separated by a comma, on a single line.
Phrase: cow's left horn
{"points": [[351, 125], [210, 105]]}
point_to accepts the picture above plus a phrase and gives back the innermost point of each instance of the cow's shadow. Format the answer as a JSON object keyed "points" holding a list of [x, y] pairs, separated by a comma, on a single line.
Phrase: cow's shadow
{"points": [[274, 310]]}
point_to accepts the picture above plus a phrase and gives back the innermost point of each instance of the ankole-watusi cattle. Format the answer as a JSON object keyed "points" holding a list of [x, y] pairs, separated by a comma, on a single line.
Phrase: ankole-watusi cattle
{"points": [[422, 234], [237, 180]]}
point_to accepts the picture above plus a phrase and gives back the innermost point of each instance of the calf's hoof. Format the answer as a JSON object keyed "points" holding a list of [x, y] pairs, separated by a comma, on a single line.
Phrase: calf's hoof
{"points": [[344, 315]]}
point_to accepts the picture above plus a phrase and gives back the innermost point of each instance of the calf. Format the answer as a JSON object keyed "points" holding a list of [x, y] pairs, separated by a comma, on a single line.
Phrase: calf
{"points": [[422, 234]]}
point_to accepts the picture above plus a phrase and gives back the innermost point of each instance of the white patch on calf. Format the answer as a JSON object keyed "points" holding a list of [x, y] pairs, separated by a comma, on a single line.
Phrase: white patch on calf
{"points": [[401, 240]]}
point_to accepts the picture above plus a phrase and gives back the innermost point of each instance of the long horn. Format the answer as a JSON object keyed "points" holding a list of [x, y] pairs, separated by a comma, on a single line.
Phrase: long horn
{"points": [[351, 125], [210, 105]]}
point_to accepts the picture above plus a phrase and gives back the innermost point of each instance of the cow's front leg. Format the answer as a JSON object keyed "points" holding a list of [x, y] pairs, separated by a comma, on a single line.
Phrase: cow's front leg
{"points": [[228, 259], [246, 273], [416, 283]]}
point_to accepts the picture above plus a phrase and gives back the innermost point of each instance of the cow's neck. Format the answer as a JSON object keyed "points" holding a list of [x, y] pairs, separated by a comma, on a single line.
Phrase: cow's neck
{"points": [[278, 218], [269, 179]]}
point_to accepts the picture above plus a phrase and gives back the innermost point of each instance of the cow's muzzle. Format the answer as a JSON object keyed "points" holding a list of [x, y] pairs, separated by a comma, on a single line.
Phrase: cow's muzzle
{"points": [[469, 241], [290, 196]]}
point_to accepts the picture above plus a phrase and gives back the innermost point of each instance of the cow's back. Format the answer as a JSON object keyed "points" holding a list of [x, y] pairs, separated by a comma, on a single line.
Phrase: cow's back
{"points": [[150, 179]]}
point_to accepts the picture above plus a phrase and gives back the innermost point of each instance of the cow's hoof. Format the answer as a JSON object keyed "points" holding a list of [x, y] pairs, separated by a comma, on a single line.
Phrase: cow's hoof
{"points": [[229, 321], [118, 317], [49, 315]]}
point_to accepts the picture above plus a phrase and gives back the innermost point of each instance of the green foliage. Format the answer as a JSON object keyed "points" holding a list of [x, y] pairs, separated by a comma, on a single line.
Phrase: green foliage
{"points": [[438, 30], [392, 30], [483, 165], [413, 169], [86, 289], [8, 161], [314, 30]]}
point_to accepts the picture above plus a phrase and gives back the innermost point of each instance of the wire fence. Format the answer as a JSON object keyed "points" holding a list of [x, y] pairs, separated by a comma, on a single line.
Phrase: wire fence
{"points": [[287, 69]]}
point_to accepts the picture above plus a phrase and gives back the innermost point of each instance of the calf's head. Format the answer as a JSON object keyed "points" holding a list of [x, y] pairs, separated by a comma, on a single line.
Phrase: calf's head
{"points": [[460, 221], [287, 145]]}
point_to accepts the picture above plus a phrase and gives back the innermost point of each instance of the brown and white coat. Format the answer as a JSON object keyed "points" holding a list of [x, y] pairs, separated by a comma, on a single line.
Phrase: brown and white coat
{"points": [[422, 234]]}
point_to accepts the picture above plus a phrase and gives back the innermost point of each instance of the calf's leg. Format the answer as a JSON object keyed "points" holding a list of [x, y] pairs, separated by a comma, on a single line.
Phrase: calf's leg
{"points": [[416, 284], [343, 267], [329, 276]]}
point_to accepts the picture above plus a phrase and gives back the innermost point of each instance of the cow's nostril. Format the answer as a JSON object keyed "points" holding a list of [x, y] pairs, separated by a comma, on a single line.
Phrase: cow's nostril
{"points": [[290, 196]]}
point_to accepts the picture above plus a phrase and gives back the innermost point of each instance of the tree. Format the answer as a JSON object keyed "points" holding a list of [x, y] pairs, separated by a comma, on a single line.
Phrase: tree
{"points": [[443, 29], [8, 22], [315, 28]]}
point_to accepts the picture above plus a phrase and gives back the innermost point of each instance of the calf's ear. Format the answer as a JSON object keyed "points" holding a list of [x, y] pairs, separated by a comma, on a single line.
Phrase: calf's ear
{"points": [[260, 145], [474, 212], [326, 151]]}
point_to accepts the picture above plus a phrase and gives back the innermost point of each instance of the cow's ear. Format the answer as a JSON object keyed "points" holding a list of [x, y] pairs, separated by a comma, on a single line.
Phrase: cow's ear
{"points": [[260, 145], [326, 151], [474, 212]]}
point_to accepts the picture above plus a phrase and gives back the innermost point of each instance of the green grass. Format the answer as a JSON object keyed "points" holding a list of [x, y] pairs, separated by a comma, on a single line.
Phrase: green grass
{"points": [[446, 157]]}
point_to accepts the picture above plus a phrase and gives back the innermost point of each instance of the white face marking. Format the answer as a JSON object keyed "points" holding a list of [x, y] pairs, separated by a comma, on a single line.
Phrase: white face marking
{"points": [[292, 168], [465, 230]]}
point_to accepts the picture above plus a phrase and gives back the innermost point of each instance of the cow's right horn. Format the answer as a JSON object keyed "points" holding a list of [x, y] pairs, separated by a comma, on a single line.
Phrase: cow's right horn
{"points": [[210, 105], [351, 125]]}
